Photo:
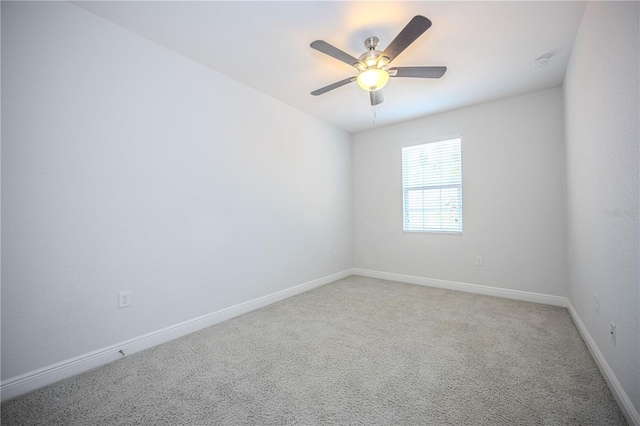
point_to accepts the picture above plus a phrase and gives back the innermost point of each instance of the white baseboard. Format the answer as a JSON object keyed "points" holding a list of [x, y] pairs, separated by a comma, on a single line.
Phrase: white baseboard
{"points": [[618, 392], [44, 376], [465, 287]]}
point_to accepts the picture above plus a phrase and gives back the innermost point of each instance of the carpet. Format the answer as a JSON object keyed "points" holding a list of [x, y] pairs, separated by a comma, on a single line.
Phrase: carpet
{"points": [[360, 351]]}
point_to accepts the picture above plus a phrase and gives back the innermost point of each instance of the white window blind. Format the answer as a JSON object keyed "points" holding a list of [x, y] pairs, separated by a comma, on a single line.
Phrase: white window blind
{"points": [[432, 187]]}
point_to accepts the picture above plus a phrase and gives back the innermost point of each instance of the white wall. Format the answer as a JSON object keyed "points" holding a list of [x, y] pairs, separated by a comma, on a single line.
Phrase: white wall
{"points": [[513, 197], [128, 167], [602, 138]]}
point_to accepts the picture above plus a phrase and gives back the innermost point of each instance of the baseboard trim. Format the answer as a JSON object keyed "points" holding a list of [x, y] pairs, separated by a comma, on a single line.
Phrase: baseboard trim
{"points": [[27, 382], [629, 411], [525, 296]]}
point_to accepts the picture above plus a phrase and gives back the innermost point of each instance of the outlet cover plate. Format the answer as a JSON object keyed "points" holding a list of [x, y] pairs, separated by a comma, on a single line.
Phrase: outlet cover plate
{"points": [[124, 299]]}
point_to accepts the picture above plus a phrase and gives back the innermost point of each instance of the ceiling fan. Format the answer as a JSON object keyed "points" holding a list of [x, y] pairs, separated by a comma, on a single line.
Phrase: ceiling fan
{"points": [[373, 65]]}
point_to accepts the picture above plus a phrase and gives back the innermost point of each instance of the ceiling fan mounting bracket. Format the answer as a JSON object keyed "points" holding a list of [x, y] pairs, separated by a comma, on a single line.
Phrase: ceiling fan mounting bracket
{"points": [[371, 43]]}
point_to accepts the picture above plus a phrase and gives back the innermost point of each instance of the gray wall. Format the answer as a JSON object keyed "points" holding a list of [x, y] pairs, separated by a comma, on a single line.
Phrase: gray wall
{"points": [[513, 197], [126, 166], [602, 138]]}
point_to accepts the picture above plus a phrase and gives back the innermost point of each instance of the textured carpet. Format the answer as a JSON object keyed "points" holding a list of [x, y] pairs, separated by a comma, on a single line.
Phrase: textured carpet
{"points": [[359, 351]]}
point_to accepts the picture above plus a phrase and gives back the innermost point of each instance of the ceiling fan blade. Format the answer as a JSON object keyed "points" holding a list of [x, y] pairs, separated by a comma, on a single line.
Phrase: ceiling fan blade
{"points": [[418, 72], [333, 86], [376, 97], [414, 29], [334, 52]]}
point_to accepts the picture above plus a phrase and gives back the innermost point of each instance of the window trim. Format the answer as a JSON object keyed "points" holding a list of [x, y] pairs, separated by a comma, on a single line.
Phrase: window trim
{"points": [[433, 232]]}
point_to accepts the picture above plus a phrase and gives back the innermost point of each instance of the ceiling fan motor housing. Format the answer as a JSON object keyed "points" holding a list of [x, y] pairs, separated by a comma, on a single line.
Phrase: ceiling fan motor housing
{"points": [[370, 58]]}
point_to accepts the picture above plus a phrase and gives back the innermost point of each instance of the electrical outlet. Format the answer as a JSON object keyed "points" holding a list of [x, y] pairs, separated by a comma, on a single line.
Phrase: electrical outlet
{"points": [[479, 261], [597, 304], [613, 333], [124, 299], [333, 254]]}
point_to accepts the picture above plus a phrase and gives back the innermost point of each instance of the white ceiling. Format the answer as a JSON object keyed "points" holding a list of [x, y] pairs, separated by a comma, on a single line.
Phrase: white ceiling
{"points": [[488, 48]]}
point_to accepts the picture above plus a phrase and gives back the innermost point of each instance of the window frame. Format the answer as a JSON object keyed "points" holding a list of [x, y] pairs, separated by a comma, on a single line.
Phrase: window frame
{"points": [[460, 186]]}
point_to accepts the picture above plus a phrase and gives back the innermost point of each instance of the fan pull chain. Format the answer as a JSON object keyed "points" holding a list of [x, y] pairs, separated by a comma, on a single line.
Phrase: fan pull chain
{"points": [[374, 115]]}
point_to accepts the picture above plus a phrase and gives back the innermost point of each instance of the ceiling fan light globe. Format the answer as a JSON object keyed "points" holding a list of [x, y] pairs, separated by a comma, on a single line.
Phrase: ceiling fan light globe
{"points": [[373, 79]]}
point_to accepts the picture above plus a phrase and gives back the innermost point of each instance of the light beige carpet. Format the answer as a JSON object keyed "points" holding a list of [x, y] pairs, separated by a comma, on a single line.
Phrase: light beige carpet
{"points": [[359, 351]]}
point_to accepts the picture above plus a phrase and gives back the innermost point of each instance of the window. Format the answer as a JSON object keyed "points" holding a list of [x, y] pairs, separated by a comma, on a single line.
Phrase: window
{"points": [[432, 187]]}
